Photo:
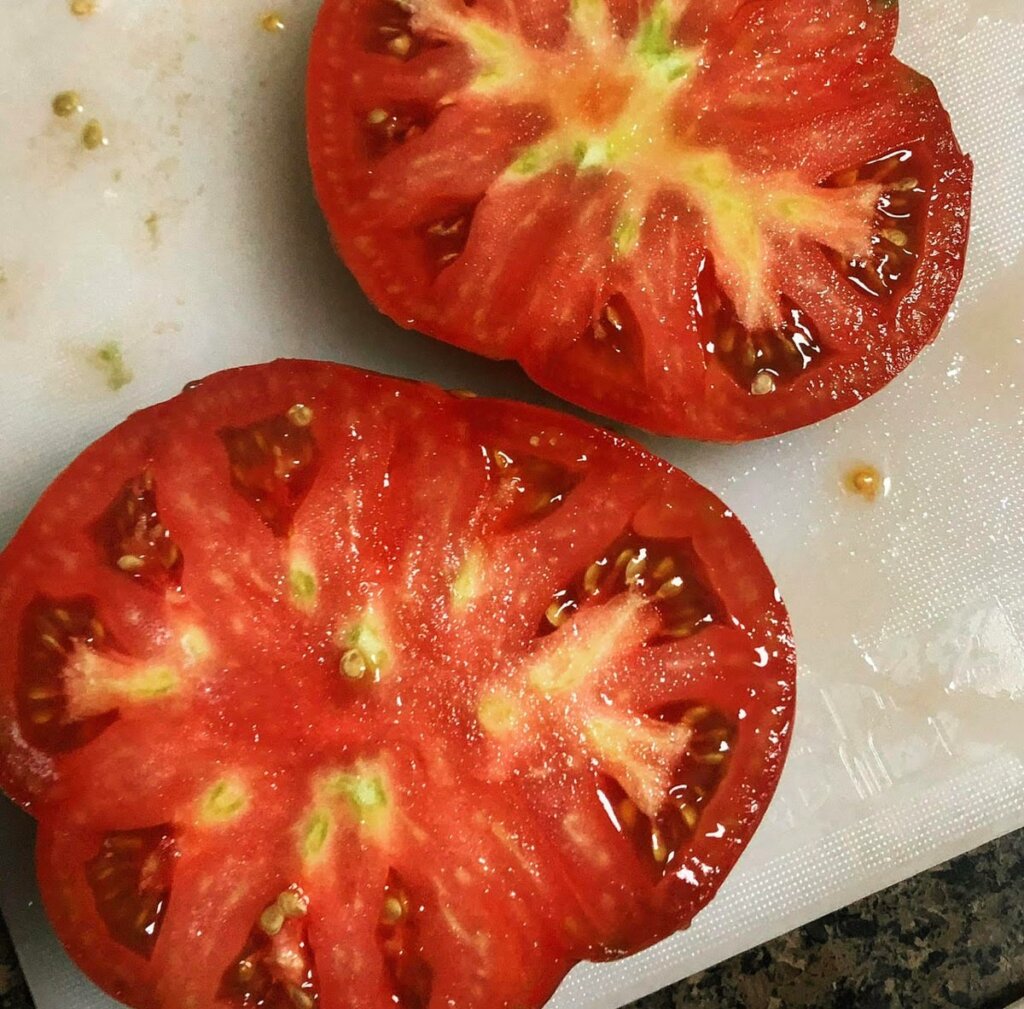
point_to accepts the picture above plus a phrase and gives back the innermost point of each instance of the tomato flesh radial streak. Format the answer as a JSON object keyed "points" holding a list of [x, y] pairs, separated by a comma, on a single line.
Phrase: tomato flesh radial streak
{"points": [[622, 122]]}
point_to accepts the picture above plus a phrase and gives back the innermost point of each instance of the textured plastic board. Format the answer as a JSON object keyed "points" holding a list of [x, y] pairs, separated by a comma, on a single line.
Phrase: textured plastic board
{"points": [[909, 613]]}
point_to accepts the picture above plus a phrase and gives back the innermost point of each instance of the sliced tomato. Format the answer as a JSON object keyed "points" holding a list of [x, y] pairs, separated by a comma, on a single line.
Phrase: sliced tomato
{"points": [[720, 220], [331, 689]]}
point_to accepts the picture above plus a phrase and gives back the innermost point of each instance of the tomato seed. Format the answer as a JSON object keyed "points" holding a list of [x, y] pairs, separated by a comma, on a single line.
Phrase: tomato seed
{"points": [[659, 851], [392, 911], [400, 45], [300, 415], [300, 999], [272, 919], [558, 612], [353, 665], [763, 384], [293, 903]]}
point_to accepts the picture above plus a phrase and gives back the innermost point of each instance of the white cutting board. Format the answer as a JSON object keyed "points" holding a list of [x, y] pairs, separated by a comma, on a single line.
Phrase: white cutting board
{"points": [[909, 612]]}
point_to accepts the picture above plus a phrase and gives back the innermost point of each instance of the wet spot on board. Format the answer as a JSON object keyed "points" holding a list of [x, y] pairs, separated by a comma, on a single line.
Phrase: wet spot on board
{"points": [[152, 223]]}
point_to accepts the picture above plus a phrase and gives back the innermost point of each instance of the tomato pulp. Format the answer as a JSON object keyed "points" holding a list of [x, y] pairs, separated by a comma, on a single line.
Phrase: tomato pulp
{"points": [[332, 689], [720, 219]]}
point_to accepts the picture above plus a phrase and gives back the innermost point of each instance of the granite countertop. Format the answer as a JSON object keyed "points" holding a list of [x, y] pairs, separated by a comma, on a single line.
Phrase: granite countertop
{"points": [[953, 936]]}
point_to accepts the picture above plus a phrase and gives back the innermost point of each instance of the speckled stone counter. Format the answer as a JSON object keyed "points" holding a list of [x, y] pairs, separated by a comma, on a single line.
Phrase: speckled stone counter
{"points": [[953, 936]]}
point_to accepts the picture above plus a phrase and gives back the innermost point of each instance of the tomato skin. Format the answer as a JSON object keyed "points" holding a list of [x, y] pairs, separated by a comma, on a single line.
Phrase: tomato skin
{"points": [[363, 695], [790, 94]]}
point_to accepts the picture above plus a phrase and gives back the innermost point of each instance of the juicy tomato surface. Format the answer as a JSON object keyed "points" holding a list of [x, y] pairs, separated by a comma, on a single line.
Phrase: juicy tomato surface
{"points": [[329, 689], [720, 219]]}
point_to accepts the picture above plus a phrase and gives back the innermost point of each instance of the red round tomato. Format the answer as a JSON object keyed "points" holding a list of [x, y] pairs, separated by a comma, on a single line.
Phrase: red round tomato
{"points": [[720, 219], [332, 689]]}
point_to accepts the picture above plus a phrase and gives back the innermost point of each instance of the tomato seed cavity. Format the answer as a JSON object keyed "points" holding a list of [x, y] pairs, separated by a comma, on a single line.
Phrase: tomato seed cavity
{"points": [[886, 271], [667, 572], [275, 967], [130, 878], [133, 538], [398, 935], [391, 31], [51, 630], [659, 840], [615, 334], [273, 464], [529, 488], [388, 128], [761, 360], [445, 237]]}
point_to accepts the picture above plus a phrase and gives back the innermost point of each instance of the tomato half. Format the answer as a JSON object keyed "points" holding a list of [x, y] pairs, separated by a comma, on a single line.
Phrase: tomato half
{"points": [[332, 689], [720, 219]]}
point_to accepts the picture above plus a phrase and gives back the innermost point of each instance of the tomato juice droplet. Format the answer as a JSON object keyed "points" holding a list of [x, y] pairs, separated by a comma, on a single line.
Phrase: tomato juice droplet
{"points": [[865, 481]]}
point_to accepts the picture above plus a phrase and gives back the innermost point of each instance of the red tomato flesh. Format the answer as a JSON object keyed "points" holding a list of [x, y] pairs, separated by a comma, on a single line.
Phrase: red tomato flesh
{"points": [[332, 689], [713, 219]]}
